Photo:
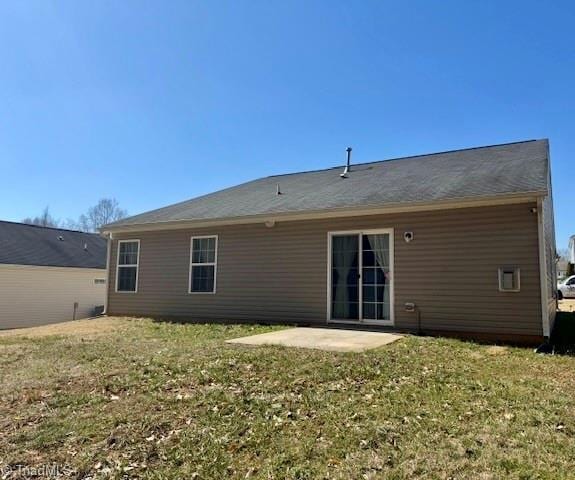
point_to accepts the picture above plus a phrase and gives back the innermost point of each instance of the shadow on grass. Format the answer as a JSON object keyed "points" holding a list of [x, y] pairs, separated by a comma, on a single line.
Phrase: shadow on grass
{"points": [[182, 320], [563, 336]]}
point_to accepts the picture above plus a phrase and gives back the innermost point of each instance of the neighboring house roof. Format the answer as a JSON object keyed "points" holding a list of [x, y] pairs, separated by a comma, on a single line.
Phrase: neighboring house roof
{"points": [[22, 244], [474, 173]]}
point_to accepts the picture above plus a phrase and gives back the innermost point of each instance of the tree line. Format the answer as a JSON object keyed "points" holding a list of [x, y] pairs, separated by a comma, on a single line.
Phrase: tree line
{"points": [[107, 210]]}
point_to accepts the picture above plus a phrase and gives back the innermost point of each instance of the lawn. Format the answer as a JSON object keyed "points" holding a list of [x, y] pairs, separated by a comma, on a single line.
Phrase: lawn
{"points": [[144, 399]]}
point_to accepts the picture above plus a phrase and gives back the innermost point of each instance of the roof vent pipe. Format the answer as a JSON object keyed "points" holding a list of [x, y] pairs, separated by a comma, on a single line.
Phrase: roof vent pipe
{"points": [[347, 166]]}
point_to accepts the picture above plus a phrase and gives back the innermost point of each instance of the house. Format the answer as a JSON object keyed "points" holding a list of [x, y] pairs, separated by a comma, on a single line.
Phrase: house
{"points": [[454, 242], [562, 269], [49, 275]]}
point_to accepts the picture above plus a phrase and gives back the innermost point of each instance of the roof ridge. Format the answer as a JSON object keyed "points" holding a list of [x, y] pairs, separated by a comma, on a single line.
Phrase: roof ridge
{"points": [[408, 157], [48, 228]]}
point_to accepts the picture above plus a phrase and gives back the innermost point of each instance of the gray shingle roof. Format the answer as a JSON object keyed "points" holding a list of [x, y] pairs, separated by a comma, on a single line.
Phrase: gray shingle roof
{"points": [[22, 244], [512, 168]]}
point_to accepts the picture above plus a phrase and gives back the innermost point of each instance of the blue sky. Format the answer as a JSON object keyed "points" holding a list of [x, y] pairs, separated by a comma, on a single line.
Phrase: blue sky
{"points": [[157, 102]]}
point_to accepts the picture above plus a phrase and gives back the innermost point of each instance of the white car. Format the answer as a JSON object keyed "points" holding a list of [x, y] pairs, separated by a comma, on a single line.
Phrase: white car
{"points": [[566, 289]]}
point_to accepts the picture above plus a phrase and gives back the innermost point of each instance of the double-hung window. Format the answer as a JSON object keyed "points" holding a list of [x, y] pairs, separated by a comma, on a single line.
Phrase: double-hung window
{"points": [[127, 267], [203, 264]]}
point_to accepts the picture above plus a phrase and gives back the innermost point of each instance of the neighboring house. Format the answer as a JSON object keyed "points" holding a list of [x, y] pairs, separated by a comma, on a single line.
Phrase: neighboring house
{"points": [[49, 275], [562, 269], [460, 241]]}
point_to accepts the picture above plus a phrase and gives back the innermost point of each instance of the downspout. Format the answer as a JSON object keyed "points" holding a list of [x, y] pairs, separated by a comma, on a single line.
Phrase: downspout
{"points": [[543, 269], [108, 256]]}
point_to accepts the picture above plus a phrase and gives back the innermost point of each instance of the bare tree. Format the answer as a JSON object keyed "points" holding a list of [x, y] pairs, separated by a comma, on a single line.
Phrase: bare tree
{"points": [[43, 220], [107, 210], [70, 224]]}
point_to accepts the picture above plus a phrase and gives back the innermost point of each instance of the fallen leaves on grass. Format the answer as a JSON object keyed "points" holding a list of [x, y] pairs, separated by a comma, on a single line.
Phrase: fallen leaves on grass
{"points": [[174, 401]]}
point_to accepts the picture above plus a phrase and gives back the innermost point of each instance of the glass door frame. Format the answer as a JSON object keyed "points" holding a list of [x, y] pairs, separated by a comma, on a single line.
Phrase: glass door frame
{"points": [[360, 233]]}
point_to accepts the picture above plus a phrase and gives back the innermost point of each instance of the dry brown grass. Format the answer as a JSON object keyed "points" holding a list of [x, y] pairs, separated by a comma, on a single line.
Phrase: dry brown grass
{"points": [[144, 399], [567, 305], [85, 327]]}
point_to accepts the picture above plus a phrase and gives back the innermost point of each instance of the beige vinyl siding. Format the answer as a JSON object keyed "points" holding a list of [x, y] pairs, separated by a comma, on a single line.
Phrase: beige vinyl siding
{"points": [[279, 274], [34, 295]]}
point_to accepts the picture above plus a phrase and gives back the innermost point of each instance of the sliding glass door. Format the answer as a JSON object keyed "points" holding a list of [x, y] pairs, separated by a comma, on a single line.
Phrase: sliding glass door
{"points": [[345, 277], [361, 266], [375, 277]]}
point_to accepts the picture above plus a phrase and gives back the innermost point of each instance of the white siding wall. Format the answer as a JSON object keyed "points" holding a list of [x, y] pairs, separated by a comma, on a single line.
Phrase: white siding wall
{"points": [[31, 295]]}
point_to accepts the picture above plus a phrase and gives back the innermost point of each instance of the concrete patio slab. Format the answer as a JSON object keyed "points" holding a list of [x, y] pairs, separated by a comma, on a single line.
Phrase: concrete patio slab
{"points": [[335, 340]]}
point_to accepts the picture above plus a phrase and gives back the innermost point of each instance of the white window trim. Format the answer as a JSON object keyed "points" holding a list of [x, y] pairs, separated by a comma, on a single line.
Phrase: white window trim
{"points": [[137, 265], [500, 280], [214, 264]]}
